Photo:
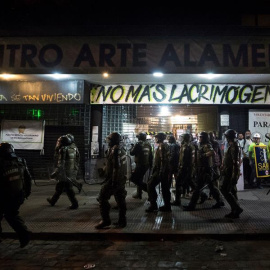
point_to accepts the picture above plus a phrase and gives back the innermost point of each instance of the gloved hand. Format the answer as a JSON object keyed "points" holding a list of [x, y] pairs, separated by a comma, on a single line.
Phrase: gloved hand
{"points": [[53, 175]]}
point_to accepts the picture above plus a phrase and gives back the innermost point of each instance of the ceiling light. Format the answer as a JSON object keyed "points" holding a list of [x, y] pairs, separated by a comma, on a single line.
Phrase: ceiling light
{"points": [[164, 111], [105, 75], [158, 74], [58, 76], [210, 76], [7, 76]]}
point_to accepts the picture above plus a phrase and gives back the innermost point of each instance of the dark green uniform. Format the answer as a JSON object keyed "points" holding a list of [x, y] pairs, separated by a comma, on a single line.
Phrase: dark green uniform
{"points": [[65, 171], [231, 173], [15, 186], [204, 174], [142, 151], [185, 169], [160, 175], [174, 149], [115, 172]]}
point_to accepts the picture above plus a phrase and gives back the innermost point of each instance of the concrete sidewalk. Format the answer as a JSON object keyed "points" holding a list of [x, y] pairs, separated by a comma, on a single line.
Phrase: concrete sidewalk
{"points": [[58, 222]]}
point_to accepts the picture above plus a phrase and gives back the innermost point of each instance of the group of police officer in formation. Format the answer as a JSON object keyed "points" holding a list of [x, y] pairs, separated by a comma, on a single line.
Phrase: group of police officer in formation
{"points": [[194, 165]]}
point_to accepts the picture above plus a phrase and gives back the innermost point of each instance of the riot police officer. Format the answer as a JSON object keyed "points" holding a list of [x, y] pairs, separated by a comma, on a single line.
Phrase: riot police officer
{"points": [[65, 171], [142, 151], [114, 184], [160, 175], [185, 168], [204, 173], [77, 162], [15, 186], [174, 149], [231, 173]]}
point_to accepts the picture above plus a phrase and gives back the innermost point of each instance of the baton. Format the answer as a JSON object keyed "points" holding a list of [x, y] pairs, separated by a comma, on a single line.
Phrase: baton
{"points": [[268, 192], [75, 184]]}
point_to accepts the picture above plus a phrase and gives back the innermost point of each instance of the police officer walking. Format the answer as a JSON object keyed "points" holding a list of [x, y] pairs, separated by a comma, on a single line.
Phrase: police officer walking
{"points": [[114, 184], [204, 170], [231, 173], [65, 172], [76, 163], [174, 149], [142, 151], [185, 168], [15, 187], [160, 175]]}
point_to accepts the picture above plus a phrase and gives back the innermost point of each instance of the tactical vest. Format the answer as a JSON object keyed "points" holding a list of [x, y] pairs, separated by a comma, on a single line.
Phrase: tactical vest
{"points": [[142, 157], [12, 175], [116, 159], [162, 156], [186, 154], [231, 158], [201, 160], [70, 155]]}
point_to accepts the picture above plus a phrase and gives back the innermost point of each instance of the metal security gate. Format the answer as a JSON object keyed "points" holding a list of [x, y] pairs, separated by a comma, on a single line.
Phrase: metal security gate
{"points": [[59, 120], [130, 119]]}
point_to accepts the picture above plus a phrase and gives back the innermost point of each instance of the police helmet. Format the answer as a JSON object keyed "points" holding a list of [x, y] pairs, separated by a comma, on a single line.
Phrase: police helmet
{"points": [[211, 136], [256, 136], [161, 136], [171, 139], [6, 148], [230, 134], [71, 137], [186, 137], [64, 140], [141, 136], [114, 138], [204, 137]]}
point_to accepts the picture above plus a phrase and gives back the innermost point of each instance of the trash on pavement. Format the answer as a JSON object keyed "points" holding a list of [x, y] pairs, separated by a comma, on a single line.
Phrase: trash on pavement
{"points": [[89, 266]]}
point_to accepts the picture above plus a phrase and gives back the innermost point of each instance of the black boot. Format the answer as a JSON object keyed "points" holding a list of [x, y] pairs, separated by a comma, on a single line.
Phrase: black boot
{"points": [[165, 208], [121, 223], [74, 206], [138, 194], [177, 199], [50, 201], [103, 224], [24, 239], [152, 208]]}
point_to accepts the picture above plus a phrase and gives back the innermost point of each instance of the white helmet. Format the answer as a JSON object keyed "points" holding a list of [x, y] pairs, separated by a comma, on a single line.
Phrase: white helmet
{"points": [[257, 135]]}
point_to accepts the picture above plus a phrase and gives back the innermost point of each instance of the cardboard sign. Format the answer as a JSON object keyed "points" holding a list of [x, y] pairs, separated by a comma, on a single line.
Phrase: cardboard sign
{"points": [[261, 162]]}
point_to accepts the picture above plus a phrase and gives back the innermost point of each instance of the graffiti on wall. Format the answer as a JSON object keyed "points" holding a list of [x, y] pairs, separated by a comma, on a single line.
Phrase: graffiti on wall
{"points": [[181, 94]]}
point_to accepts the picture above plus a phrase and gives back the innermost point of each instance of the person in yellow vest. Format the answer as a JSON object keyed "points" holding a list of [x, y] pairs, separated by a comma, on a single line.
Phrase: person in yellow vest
{"points": [[256, 141]]}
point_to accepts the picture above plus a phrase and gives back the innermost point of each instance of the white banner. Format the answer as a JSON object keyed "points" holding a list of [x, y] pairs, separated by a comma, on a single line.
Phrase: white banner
{"points": [[259, 122], [181, 94], [23, 134]]}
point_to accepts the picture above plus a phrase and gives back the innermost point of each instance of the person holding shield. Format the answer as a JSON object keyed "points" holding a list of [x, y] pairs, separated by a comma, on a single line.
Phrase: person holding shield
{"points": [[256, 141]]}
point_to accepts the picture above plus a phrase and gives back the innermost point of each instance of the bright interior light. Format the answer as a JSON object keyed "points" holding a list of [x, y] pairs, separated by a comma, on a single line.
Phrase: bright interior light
{"points": [[7, 76], [164, 111], [158, 74], [210, 76], [184, 119], [58, 76], [105, 75]]}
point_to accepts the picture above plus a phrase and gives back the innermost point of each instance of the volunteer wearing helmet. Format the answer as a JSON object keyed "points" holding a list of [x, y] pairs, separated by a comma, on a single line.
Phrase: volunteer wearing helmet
{"points": [[256, 141], [231, 172]]}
